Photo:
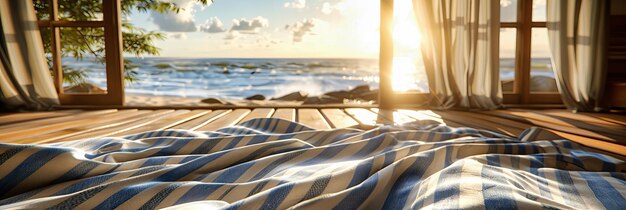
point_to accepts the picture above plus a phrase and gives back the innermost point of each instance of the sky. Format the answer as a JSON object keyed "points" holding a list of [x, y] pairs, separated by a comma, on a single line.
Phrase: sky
{"points": [[267, 29], [297, 29]]}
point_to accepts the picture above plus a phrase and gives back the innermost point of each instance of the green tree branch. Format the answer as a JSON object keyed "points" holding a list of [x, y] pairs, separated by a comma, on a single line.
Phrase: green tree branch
{"points": [[89, 42]]}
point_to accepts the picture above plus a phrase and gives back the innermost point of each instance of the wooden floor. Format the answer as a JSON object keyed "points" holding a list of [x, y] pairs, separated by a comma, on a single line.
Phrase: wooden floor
{"points": [[601, 131]]}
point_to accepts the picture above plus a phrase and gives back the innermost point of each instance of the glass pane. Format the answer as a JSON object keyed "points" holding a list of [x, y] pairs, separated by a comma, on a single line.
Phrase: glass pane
{"points": [[539, 10], [82, 51], [267, 49], [507, 58], [42, 9], [542, 76], [80, 10], [408, 70], [508, 10]]}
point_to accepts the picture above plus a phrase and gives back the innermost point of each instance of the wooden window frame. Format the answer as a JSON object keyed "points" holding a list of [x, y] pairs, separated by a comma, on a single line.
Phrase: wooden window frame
{"points": [[112, 25], [387, 98], [521, 94], [521, 87]]}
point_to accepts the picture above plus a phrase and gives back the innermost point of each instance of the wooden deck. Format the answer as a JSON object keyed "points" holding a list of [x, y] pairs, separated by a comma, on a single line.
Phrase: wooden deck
{"points": [[601, 131]]}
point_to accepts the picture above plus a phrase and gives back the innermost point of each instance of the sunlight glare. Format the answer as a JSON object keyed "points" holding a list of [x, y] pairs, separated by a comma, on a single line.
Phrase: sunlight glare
{"points": [[403, 70], [363, 22], [407, 41], [406, 34]]}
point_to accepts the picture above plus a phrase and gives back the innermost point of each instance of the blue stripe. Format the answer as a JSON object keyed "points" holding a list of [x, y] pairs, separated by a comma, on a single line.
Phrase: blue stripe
{"points": [[274, 164], [184, 169], [198, 192], [358, 194], [496, 195], [233, 173], [14, 149], [123, 195], [568, 189], [604, 191], [371, 146], [159, 197], [277, 196], [206, 146], [361, 172], [447, 191], [409, 179], [28, 167], [154, 161], [233, 142], [258, 139], [78, 171]]}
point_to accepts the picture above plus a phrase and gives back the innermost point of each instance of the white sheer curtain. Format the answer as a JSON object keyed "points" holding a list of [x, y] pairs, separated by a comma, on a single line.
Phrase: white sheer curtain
{"points": [[460, 51], [576, 30], [25, 81]]}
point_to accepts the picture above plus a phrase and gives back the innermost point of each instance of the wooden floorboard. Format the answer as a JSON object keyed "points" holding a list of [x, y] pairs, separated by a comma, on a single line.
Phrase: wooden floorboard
{"points": [[613, 118], [229, 119], [430, 115], [86, 127], [422, 115], [312, 118], [592, 143], [577, 131], [612, 131], [258, 113], [202, 120], [167, 122], [582, 117], [128, 125], [12, 118], [14, 134], [337, 118], [393, 116], [595, 130], [476, 120], [44, 122], [363, 116], [286, 114]]}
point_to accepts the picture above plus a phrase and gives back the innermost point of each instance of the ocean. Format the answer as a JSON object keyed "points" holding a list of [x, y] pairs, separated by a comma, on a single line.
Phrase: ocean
{"points": [[241, 78], [237, 78]]}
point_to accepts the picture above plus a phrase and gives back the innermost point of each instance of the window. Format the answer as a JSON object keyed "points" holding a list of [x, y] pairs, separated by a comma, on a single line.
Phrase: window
{"points": [[402, 75], [525, 65], [526, 70], [237, 49], [99, 31]]}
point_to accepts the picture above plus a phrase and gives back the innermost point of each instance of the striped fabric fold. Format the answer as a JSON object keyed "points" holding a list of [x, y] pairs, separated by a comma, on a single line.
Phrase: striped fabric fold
{"points": [[270, 163]]}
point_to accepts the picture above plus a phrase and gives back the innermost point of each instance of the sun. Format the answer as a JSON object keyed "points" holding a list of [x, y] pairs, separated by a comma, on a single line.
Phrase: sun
{"points": [[407, 39]]}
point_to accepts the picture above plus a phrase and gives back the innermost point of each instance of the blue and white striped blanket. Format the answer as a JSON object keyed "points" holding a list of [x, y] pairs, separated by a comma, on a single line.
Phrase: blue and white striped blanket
{"points": [[276, 164]]}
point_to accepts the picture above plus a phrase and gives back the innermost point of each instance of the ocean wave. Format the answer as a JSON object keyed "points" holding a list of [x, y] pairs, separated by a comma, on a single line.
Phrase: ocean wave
{"points": [[240, 78]]}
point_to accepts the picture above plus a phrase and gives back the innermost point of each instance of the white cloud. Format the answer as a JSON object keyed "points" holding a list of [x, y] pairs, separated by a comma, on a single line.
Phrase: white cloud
{"points": [[297, 4], [327, 8], [181, 36], [213, 25], [253, 26], [301, 28], [183, 21], [231, 35]]}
